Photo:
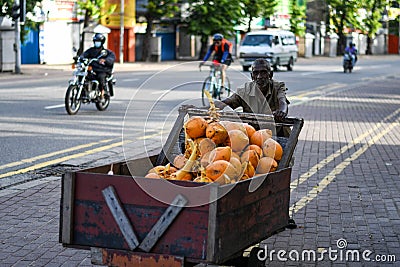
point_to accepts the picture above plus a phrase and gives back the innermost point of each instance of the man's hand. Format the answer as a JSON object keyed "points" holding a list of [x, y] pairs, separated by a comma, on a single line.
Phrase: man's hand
{"points": [[102, 61], [279, 115]]}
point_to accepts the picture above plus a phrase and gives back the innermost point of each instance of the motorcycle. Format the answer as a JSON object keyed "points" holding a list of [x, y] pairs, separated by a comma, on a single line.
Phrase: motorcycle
{"points": [[347, 62], [84, 88]]}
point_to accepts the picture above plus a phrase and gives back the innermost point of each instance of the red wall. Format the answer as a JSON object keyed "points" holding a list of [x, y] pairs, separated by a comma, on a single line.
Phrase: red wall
{"points": [[129, 44], [393, 46]]}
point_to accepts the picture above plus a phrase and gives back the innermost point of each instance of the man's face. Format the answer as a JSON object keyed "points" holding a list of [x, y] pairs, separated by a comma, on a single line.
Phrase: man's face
{"points": [[260, 77], [217, 43]]}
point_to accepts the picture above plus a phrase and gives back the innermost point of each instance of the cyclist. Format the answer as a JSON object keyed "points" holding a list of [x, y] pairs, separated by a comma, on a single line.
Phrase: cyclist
{"points": [[104, 66], [221, 48]]}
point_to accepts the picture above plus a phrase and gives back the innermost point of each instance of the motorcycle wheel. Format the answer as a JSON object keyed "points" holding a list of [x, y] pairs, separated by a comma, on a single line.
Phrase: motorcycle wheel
{"points": [[102, 105], [72, 104]]}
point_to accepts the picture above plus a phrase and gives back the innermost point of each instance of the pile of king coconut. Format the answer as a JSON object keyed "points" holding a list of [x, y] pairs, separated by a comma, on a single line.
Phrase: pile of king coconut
{"points": [[221, 151]]}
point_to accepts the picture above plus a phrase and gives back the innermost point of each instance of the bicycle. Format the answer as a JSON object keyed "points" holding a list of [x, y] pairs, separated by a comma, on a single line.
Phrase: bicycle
{"points": [[213, 83]]}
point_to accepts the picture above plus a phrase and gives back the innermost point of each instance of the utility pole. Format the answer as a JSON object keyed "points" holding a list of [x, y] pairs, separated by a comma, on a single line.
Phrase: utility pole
{"points": [[17, 44], [121, 33]]}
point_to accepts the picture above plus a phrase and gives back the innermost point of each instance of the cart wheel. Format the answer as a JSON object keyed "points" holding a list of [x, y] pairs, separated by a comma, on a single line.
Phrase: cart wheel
{"points": [[254, 259]]}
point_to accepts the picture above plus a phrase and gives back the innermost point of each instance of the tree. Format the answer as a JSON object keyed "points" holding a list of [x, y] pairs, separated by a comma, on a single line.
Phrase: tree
{"points": [[92, 11], [343, 15], [297, 18], [6, 10], [258, 8], [6, 6], [209, 17], [372, 21], [156, 10]]}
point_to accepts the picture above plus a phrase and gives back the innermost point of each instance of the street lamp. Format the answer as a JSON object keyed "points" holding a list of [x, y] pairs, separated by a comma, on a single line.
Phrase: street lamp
{"points": [[121, 33]]}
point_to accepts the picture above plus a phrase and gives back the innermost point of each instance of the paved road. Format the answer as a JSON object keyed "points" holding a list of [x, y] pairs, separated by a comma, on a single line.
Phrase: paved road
{"points": [[344, 197]]}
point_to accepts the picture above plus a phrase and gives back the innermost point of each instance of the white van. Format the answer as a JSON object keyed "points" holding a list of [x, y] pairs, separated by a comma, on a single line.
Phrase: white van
{"points": [[277, 46]]}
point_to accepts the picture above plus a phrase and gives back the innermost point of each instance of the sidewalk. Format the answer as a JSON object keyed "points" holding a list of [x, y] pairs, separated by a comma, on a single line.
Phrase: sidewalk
{"points": [[345, 187]]}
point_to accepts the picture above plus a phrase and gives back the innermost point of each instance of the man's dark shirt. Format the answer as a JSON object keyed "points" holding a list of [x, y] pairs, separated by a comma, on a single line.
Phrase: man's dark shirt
{"points": [[252, 99], [109, 59]]}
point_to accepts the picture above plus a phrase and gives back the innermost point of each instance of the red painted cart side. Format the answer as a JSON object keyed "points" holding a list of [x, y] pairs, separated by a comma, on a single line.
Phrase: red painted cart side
{"points": [[213, 233], [231, 218]]}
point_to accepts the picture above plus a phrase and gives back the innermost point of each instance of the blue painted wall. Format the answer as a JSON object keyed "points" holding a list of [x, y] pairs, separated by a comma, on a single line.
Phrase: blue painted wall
{"points": [[30, 48], [168, 45]]}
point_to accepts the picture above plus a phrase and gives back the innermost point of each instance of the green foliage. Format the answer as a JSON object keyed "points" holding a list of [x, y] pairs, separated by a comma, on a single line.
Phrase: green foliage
{"points": [[93, 9], [6, 6], [297, 18], [209, 17], [371, 23], [258, 8], [343, 14], [6, 10], [158, 9]]}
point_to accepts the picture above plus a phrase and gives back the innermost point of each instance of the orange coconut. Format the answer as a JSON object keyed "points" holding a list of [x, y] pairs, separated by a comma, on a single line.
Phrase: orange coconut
{"points": [[250, 156], [205, 159], [232, 125], [220, 167], [152, 175], [235, 155], [206, 145], [272, 149], [266, 165], [202, 180], [186, 177], [250, 130], [157, 169], [238, 140], [179, 161], [257, 149], [216, 132], [259, 137], [236, 163], [249, 171], [220, 153], [195, 127]]}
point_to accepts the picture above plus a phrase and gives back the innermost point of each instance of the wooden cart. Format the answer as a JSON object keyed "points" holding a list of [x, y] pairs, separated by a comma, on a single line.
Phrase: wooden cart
{"points": [[123, 224]]}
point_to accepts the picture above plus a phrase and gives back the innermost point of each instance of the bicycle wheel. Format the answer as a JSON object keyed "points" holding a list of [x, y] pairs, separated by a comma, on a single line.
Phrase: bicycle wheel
{"points": [[227, 87], [209, 86]]}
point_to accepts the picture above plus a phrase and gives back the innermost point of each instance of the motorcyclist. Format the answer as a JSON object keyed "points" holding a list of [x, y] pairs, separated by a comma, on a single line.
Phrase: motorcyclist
{"points": [[262, 95], [104, 65], [352, 51]]}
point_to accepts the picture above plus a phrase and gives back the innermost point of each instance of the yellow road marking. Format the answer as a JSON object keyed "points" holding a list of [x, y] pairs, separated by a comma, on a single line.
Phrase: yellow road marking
{"points": [[58, 160], [48, 155], [323, 88], [148, 136], [313, 170], [313, 193]]}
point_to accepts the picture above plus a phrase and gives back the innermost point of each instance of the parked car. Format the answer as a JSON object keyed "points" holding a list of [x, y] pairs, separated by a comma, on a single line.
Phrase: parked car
{"points": [[277, 46]]}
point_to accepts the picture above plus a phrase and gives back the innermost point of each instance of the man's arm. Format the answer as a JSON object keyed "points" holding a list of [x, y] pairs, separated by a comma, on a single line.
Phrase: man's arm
{"points": [[225, 54], [110, 59], [86, 53], [283, 108]]}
